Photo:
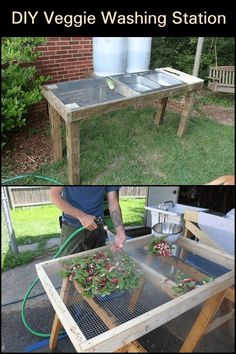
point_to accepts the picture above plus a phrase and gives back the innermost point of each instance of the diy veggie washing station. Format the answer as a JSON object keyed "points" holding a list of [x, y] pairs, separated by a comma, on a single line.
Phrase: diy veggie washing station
{"points": [[165, 287], [80, 99]]}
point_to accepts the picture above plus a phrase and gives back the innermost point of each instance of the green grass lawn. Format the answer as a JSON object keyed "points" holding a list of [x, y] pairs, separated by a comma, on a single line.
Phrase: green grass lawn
{"points": [[39, 223], [125, 147], [31, 224]]}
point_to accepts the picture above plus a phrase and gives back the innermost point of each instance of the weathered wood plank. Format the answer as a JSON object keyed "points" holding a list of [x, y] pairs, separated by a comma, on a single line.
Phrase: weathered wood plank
{"points": [[55, 125], [73, 152], [187, 111], [161, 107]]}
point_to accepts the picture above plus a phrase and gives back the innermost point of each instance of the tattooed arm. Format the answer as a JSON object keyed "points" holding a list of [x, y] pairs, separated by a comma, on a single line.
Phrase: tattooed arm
{"points": [[116, 216]]}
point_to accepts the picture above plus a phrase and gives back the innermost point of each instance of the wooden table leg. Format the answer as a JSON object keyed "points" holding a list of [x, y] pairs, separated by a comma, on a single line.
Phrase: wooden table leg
{"points": [[55, 126], [56, 327], [161, 107], [73, 151], [183, 125], [207, 313]]}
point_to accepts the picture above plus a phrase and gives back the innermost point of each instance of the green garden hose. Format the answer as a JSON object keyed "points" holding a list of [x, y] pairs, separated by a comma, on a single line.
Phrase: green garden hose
{"points": [[63, 246], [31, 176]]}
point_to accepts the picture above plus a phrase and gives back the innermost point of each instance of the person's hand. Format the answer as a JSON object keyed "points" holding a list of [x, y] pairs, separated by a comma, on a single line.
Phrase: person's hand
{"points": [[88, 222], [119, 241]]}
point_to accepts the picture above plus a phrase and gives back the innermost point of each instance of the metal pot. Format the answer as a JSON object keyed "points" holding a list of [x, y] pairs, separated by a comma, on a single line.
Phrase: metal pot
{"points": [[170, 230]]}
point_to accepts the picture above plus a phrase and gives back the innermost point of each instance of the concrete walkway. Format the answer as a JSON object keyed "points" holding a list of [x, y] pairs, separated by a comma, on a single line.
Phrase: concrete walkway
{"points": [[39, 311]]}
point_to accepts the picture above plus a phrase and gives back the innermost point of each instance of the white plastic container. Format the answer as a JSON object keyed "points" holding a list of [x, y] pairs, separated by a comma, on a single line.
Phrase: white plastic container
{"points": [[109, 55], [138, 54]]}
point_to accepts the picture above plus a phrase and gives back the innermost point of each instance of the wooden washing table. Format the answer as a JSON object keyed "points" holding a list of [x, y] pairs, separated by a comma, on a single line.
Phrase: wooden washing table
{"points": [[115, 323], [73, 101]]}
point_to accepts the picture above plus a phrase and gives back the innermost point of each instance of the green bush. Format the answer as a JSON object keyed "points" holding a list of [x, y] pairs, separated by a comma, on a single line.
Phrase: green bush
{"points": [[20, 82]]}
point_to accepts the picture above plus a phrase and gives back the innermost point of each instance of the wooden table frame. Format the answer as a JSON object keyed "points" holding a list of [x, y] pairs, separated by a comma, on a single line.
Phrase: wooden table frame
{"points": [[223, 301], [127, 333], [73, 116]]}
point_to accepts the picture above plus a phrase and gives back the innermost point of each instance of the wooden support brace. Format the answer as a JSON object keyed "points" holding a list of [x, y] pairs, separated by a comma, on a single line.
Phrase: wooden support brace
{"points": [[200, 326], [109, 321], [56, 327], [199, 234]]}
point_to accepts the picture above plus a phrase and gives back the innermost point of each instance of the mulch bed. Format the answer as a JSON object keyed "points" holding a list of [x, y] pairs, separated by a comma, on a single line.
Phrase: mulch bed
{"points": [[30, 147]]}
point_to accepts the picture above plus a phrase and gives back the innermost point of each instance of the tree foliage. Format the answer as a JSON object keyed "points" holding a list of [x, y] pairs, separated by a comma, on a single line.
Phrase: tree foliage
{"points": [[20, 82], [179, 53]]}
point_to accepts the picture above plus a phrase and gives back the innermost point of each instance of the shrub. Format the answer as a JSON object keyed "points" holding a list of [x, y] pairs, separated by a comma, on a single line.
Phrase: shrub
{"points": [[20, 82]]}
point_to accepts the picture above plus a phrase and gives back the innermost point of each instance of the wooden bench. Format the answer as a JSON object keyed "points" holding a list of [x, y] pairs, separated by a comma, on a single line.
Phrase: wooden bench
{"points": [[221, 79]]}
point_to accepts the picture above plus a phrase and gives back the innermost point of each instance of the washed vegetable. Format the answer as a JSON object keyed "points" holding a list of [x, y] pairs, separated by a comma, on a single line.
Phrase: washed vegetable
{"points": [[103, 273], [160, 247], [186, 283]]}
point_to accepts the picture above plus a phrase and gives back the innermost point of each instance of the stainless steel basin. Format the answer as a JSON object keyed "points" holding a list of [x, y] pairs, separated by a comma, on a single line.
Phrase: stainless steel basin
{"points": [[137, 83], [163, 79], [171, 231]]}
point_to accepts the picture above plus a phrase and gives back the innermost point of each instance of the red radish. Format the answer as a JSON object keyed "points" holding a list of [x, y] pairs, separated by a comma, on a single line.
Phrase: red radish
{"points": [[114, 280], [89, 279], [71, 276]]}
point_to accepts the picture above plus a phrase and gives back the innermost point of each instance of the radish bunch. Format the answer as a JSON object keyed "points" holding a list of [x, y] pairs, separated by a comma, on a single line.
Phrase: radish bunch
{"points": [[160, 247], [103, 273]]}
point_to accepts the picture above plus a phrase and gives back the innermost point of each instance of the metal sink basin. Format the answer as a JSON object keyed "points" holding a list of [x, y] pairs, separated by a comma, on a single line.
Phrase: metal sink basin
{"points": [[137, 83], [162, 79], [178, 209]]}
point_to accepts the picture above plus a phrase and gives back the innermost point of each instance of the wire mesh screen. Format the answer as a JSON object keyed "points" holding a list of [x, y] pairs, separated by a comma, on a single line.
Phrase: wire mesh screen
{"points": [[119, 307], [86, 92], [97, 314]]}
